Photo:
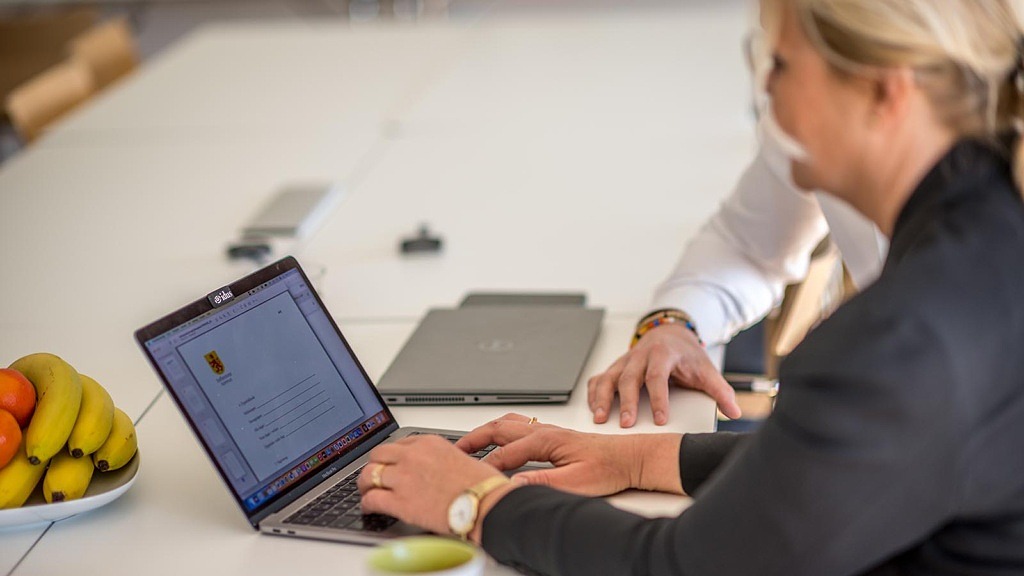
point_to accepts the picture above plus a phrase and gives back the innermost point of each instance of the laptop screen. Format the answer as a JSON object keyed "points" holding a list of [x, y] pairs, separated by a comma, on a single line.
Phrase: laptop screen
{"points": [[268, 384]]}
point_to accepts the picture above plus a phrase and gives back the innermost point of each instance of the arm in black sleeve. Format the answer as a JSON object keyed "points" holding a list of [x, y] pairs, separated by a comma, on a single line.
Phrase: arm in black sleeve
{"points": [[701, 454], [567, 547], [854, 466]]}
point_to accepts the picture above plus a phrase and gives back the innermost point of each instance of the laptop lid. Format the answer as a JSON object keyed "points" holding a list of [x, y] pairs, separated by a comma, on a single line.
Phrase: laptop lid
{"points": [[493, 355], [269, 386]]}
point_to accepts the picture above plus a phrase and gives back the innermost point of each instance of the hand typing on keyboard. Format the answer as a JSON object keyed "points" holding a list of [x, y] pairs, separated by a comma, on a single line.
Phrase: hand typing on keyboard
{"points": [[416, 479], [587, 464], [340, 507]]}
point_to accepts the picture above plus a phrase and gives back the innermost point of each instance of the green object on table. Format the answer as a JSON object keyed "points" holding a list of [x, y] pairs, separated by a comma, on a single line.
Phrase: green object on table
{"points": [[421, 554]]}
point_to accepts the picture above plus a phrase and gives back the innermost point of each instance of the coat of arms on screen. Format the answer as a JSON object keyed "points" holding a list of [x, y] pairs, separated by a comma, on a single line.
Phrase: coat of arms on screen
{"points": [[215, 362]]}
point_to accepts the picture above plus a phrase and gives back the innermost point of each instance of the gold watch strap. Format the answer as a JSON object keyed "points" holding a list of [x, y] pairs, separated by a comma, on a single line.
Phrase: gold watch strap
{"points": [[489, 485]]}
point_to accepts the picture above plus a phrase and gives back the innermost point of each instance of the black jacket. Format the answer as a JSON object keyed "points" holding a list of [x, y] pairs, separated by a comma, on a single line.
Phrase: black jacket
{"points": [[897, 442]]}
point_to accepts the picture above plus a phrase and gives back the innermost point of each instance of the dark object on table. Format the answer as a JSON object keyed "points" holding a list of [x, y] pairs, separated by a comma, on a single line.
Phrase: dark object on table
{"points": [[255, 250], [424, 242]]}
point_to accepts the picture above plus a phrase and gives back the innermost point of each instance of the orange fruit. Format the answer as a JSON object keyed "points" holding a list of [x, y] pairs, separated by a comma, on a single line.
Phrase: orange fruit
{"points": [[17, 395], [10, 437]]}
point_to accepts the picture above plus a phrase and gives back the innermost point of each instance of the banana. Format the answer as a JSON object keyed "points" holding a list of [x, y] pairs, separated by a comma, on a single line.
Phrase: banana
{"points": [[67, 477], [59, 393], [120, 446], [18, 479], [95, 419]]}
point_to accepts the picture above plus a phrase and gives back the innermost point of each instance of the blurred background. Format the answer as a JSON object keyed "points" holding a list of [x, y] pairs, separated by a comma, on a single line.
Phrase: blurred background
{"points": [[38, 35], [554, 145]]}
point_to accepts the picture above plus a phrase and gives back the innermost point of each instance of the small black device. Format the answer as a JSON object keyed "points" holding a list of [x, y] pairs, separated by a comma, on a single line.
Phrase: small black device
{"points": [[423, 242]]}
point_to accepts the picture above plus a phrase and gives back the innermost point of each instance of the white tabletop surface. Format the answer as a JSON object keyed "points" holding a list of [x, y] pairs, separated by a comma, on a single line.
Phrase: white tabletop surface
{"points": [[573, 153], [180, 519], [569, 152]]}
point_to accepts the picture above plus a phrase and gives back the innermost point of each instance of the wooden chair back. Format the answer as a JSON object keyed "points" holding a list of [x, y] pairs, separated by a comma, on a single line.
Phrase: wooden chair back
{"points": [[42, 100], [806, 304], [108, 49], [31, 41]]}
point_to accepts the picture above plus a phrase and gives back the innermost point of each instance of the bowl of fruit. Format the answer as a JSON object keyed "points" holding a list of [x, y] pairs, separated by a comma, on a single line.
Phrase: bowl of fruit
{"points": [[64, 447]]}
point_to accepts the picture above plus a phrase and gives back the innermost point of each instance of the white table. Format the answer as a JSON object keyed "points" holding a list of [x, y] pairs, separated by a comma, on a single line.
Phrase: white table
{"points": [[179, 519], [575, 152], [294, 78], [533, 146]]}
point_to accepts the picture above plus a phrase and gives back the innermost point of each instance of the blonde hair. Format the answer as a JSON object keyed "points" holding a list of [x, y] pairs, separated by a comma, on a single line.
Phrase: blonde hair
{"points": [[966, 55]]}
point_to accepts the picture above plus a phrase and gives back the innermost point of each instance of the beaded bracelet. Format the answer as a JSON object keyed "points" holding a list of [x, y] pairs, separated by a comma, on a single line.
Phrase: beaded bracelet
{"points": [[666, 316]]}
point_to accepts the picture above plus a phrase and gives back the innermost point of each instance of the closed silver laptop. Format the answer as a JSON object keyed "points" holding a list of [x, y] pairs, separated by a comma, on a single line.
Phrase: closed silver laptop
{"points": [[504, 354]]}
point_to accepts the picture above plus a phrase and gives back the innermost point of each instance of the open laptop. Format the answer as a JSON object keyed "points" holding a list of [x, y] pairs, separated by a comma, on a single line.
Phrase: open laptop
{"points": [[518, 353], [279, 401]]}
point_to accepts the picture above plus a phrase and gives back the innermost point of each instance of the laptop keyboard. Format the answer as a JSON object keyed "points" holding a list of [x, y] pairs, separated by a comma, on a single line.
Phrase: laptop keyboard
{"points": [[340, 506]]}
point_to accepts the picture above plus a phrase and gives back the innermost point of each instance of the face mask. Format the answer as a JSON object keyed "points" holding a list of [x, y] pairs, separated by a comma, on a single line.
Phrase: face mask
{"points": [[778, 148], [775, 138]]}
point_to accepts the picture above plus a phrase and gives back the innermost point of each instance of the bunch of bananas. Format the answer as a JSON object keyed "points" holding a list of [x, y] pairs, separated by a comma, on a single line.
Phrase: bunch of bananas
{"points": [[75, 429]]}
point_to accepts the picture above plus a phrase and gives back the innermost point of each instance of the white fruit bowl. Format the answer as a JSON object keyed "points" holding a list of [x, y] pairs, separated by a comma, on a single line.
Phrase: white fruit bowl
{"points": [[104, 488]]}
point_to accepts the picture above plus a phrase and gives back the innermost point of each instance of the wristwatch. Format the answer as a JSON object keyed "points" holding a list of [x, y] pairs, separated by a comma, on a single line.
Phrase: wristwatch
{"points": [[464, 509]]}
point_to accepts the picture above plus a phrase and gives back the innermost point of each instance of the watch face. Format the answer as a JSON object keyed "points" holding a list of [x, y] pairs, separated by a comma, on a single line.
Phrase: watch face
{"points": [[462, 514]]}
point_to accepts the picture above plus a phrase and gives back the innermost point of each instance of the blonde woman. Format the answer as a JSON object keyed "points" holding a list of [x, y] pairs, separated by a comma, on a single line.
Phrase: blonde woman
{"points": [[896, 446]]}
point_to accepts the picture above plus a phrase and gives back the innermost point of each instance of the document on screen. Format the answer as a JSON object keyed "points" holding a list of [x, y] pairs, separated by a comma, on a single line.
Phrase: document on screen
{"points": [[272, 383]]}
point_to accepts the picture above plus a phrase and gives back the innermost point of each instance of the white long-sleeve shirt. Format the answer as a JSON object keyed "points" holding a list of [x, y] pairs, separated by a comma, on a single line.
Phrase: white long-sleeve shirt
{"points": [[735, 270]]}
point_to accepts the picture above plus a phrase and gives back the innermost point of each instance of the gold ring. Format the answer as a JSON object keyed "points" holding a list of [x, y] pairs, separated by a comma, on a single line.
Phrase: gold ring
{"points": [[376, 477], [532, 420]]}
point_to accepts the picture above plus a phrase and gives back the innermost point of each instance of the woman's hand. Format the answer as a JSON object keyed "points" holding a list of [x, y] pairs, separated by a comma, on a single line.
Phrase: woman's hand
{"points": [[668, 352], [588, 464], [421, 475]]}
